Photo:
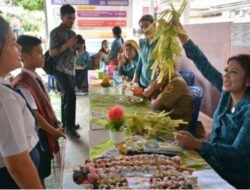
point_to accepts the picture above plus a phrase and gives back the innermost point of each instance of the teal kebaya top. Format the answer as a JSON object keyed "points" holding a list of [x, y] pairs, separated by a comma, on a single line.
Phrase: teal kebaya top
{"points": [[115, 48], [83, 61], [143, 69], [128, 69], [228, 148]]}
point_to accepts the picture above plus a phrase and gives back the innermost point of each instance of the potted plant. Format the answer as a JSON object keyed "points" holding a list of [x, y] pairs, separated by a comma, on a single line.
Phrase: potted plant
{"points": [[105, 85], [115, 124]]}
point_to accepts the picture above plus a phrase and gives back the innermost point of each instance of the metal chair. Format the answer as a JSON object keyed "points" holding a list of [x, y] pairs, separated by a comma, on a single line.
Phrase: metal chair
{"points": [[188, 76], [196, 92]]}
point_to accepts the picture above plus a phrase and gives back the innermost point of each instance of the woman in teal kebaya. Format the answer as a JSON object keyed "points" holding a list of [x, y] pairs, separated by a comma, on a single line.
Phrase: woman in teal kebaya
{"points": [[143, 70], [128, 60], [228, 148], [116, 46]]}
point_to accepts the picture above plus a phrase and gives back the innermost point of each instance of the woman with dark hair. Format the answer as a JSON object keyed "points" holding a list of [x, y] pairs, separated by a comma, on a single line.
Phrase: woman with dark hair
{"points": [[103, 53], [227, 149], [143, 70], [83, 64], [128, 60], [116, 46], [18, 138]]}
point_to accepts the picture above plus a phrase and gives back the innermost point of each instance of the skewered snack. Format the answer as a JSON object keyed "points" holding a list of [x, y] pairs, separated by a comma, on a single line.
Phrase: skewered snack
{"points": [[161, 172]]}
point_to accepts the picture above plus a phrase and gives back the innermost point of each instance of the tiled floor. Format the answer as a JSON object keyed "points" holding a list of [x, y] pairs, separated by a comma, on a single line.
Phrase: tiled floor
{"points": [[76, 150]]}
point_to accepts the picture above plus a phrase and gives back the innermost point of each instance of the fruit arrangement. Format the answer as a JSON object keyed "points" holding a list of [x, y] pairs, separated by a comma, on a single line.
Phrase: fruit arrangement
{"points": [[105, 81], [137, 91], [162, 171]]}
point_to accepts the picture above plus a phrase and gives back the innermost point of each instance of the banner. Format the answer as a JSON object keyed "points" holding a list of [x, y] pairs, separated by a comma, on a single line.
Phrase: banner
{"points": [[94, 19], [92, 2]]}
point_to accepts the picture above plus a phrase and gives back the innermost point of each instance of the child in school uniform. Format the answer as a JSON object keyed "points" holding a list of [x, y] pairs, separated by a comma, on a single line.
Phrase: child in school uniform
{"points": [[34, 91], [18, 137]]}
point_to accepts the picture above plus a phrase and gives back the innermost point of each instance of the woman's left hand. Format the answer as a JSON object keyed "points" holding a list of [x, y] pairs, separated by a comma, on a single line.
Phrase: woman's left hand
{"points": [[154, 86], [187, 140], [121, 59]]}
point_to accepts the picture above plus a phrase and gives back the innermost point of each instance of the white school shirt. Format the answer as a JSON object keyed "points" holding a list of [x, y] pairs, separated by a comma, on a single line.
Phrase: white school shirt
{"points": [[17, 124]]}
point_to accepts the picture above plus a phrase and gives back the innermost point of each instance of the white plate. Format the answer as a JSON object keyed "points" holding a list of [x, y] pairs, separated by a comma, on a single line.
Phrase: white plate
{"points": [[151, 146], [133, 99]]}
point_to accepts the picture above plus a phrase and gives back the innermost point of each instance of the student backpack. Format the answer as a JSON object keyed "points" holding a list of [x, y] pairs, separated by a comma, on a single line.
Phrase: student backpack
{"points": [[49, 64]]}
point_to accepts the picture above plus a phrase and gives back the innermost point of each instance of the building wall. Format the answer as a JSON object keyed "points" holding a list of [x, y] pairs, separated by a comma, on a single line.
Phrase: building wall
{"points": [[218, 41], [216, 46]]}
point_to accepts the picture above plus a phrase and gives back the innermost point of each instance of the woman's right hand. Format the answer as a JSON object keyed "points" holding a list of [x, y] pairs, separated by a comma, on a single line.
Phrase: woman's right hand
{"points": [[187, 140], [153, 87]]}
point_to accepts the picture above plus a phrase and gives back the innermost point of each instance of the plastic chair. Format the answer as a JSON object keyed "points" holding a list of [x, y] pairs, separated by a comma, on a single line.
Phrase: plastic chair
{"points": [[188, 76], [197, 97]]}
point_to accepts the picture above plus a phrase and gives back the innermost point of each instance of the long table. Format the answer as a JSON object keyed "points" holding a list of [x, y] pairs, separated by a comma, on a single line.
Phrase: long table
{"points": [[207, 179], [99, 105]]}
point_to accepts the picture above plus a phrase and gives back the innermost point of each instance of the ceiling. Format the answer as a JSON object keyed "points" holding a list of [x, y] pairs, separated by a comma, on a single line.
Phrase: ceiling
{"points": [[212, 8], [208, 4], [217, 4]]}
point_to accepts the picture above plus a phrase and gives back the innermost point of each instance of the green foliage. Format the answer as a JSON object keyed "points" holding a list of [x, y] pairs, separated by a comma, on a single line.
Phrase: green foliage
{"points": [[105, 85], [31, 26], [116, 126], [167, 47], [30, 4], [152, 124], [30, 22]]}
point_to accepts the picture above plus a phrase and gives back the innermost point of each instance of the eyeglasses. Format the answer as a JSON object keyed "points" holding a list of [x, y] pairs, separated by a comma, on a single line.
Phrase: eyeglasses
{"points": [[129, 49]]}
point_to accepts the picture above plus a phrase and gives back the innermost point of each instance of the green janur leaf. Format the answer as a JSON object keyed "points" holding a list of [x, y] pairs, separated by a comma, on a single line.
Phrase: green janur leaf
{"points": [[167, 47]]}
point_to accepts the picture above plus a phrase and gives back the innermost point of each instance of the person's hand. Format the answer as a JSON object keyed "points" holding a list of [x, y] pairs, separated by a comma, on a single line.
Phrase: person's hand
{"points": [[182, 36], [176, 23], [153, 101], [187, 140], [59, 133], [154, 86], [72, 42], [121, 59], [147, 93]]}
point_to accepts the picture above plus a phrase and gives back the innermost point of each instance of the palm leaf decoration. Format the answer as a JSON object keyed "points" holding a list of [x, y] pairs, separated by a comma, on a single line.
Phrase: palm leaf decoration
{"points": [[167, 47]]}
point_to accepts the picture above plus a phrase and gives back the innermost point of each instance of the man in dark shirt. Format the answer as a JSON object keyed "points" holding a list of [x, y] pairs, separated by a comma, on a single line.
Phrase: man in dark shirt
{"points": [[63, 42]]}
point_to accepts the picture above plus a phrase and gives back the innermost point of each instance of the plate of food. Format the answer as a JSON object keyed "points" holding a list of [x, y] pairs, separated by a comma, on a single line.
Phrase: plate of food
{"points": [[164, 146], [151, 146], [131, 99], [133, 139]]}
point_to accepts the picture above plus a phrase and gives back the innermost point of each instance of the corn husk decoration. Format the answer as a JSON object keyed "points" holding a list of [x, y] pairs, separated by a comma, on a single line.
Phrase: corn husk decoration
{"points": [[152, 124], [167, 47]]}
